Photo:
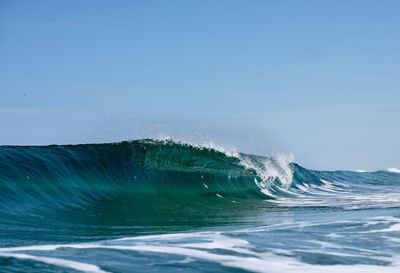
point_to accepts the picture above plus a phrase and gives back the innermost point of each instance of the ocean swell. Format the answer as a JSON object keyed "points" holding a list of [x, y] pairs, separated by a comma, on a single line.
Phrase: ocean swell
{"points": [[144, 179]]}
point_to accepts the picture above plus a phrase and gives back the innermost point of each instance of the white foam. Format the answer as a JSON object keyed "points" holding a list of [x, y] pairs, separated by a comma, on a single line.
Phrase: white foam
{"points": [[393, 228], [334, 235], [261, 263], [393, 170], [82, 267], [267, 262], [270, 169]]}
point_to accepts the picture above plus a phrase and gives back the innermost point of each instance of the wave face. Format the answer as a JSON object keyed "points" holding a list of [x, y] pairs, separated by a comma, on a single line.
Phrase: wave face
{"points": [[61, 176], [73, 193], [139, 171]]}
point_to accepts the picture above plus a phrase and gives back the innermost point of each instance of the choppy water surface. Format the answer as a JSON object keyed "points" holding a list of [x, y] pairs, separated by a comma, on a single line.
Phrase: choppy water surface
{"points": [[163, 206]]}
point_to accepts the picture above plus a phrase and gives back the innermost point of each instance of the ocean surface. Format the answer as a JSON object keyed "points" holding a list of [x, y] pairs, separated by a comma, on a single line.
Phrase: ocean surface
{"points": [[165, 206]]}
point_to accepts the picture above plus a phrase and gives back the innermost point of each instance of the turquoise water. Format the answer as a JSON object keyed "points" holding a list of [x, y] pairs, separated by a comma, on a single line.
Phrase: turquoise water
{"points": [[165, 206]]}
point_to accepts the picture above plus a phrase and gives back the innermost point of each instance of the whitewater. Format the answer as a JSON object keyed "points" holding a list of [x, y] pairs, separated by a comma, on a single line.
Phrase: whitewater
{"points": [[167, 206]]}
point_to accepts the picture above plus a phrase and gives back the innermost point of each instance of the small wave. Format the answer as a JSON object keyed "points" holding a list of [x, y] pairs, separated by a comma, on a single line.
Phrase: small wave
{"points": [[393, 170]]}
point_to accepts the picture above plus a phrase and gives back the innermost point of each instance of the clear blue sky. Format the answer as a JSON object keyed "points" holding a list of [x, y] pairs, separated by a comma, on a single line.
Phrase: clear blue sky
{"points": [[318, 78]]}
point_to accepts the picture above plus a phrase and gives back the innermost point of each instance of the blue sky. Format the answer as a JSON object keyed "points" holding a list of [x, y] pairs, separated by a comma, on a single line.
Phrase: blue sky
{"points": [[317, 78]]}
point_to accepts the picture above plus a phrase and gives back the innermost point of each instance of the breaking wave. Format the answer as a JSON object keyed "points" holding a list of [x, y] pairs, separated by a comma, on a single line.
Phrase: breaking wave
{"points": [[168, 177]]}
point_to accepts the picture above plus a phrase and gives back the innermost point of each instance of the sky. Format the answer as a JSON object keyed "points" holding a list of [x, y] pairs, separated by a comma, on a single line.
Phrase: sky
{"points": [[319, 79]]}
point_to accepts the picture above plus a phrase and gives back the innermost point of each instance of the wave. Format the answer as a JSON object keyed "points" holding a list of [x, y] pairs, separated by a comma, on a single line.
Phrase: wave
{"points": [[67, 205], [65, 173], [393, 170], [148, 178]]}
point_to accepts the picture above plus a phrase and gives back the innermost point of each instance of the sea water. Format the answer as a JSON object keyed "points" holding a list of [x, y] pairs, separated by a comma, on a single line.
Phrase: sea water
{"points": [[166, 206]]}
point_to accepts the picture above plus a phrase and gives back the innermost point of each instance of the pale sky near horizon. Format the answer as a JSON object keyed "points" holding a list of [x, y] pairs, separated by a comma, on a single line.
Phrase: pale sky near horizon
{"points": [[320, 79]]}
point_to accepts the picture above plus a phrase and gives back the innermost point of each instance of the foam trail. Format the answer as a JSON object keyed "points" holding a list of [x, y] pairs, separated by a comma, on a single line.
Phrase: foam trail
{"points": [[171, 244], [82, 267]]}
